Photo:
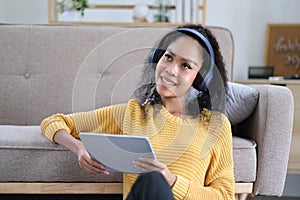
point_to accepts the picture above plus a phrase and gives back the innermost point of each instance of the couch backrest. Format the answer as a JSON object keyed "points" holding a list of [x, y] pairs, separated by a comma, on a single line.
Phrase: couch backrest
{"points": [[48, 69]]}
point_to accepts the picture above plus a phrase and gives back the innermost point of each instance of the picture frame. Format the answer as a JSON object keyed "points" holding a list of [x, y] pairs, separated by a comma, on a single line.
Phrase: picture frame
{"points": [[282, 49]]}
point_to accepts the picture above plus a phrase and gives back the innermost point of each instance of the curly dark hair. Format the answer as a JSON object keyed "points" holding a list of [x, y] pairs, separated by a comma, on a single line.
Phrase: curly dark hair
{"points": [[213, 98]]}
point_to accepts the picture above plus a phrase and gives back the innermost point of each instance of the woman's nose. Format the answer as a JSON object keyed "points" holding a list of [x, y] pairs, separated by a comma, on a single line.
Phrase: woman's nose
{"points": [[172, 69]]}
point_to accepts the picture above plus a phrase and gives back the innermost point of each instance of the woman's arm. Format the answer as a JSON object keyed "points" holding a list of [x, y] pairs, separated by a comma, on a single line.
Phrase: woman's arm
{"points": [[63, 138], [72, 124], [64, 130], [106, 120]]}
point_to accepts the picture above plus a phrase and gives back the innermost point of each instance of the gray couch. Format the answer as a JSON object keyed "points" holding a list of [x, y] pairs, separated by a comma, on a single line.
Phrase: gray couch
{"points": [[47, 69]]}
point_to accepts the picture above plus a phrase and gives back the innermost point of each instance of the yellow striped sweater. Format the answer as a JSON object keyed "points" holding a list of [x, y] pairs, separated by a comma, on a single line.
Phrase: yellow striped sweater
{"points": [[198, 151]]}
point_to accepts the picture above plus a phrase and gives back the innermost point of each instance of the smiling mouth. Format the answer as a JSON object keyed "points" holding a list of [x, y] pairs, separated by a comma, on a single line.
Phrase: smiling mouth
{"points": [[167, 82]]}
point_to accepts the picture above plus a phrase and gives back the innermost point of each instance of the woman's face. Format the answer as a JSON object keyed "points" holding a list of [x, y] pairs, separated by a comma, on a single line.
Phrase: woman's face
{"points": [[178, 67]]}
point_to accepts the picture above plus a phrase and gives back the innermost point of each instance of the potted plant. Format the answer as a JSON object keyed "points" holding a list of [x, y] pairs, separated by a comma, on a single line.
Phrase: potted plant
{"points": [[78, 5], [162, 11]]}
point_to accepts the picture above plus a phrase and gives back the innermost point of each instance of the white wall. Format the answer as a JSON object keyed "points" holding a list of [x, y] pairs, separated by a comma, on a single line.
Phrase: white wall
{"points": [[1, 10], [247, 19], [24, 11]]}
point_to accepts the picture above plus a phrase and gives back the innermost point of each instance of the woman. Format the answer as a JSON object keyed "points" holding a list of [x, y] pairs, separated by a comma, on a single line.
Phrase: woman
{"points": [[177, 107]]}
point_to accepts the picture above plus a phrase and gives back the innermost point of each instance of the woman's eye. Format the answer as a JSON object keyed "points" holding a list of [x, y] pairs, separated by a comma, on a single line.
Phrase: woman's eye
{"points": [[186, 66], [168, 57]]}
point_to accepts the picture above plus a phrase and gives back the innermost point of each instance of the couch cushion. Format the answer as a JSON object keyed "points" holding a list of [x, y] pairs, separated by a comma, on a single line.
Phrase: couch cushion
{"points": [[244, 156], [241, 100], [29, 157], [99, 65]]}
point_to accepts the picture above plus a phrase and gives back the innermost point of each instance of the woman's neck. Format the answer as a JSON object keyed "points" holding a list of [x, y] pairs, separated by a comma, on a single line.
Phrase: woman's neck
{"points": [[176, 107]]}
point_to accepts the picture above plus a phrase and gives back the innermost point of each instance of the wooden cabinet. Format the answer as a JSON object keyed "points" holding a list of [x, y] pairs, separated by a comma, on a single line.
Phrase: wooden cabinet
{"points": [[294, 86]]}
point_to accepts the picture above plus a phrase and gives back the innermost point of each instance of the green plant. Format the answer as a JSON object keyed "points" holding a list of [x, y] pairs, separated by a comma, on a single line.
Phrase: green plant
{"points": [[162, 11], [79, 5]]}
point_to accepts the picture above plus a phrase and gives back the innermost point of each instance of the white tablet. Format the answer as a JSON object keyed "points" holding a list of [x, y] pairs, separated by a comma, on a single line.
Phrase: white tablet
{"points": [[117, 152]]}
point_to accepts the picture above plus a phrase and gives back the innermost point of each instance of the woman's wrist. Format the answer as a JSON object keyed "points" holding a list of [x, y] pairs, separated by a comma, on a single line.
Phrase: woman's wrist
{"points": [[79, 148], [169, 176], [63, 138], [173, 181]]}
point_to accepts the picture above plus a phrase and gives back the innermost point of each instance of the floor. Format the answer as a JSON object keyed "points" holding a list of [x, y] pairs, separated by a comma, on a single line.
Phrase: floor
{"points": [[291, 189], [61, 197], [274, 198], [103, 197]]}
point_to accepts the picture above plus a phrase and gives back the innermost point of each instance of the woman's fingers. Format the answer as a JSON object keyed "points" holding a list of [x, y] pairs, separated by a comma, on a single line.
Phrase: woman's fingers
{"points": [[91, 168], [153, 162], [89, 165], [148, 164]]}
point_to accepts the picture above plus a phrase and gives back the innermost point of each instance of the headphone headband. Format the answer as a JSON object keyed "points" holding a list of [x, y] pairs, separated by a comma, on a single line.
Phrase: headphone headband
{"points": [[204, 39]]}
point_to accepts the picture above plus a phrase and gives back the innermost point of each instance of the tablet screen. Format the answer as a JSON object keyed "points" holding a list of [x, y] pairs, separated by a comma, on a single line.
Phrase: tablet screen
{"points": [[117, 152]]}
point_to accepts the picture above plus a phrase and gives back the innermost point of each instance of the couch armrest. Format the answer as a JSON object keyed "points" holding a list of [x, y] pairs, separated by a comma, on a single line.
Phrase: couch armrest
{"points": [[270, 126]]}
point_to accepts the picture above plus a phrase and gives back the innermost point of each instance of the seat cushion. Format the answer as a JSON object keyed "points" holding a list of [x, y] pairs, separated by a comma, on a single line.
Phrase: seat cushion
{"points": [[244, 156], [28, 156]]}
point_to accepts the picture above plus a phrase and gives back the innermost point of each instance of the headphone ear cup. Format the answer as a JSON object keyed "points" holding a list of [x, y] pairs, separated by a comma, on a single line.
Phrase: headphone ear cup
{"points": [[200, 83], [155, 55], [197, 84], [151, 56]]}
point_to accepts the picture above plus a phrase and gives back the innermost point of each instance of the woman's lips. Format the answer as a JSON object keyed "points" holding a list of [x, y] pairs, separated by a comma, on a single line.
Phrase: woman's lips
{"points": [[167, 81]]}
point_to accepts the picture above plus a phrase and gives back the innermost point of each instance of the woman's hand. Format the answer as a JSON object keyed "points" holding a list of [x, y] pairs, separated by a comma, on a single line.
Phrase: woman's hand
{"points": [[63, 138], [149, 164], [89, 165]]}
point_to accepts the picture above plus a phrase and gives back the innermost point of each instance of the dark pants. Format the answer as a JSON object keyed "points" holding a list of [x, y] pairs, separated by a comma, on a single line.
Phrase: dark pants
{"points": [[150, 186]]}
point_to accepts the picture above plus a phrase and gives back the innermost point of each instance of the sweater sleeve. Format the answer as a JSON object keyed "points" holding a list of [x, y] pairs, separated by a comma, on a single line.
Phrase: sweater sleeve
{"points": [[107, 120], [219, 180]]}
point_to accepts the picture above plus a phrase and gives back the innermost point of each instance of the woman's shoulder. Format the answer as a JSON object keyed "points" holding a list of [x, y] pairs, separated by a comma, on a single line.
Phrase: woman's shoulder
{"points": [[131, 103], [215, 119], [220, 116], [222, 123], [215, 115], [134, 103]]}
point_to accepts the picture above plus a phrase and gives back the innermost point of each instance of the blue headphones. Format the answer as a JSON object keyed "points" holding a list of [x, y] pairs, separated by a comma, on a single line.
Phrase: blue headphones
{"points": [[201, 84]]}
